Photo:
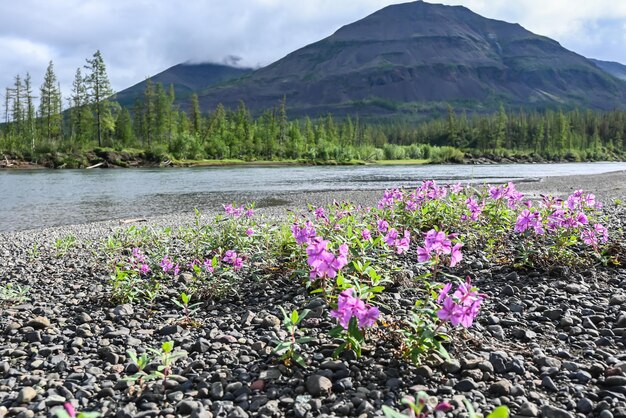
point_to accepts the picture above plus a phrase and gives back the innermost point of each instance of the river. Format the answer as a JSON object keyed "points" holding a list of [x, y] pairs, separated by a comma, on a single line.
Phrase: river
{"points": [[42, 198]]}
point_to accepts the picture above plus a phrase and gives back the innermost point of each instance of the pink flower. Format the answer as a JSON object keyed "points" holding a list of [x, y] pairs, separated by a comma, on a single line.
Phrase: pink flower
{"points": [[303, 235], [349, 306], [444, 292], [602, 231], [249, 232], [166, 265], [320, 213], [366, 234], [208, 266], [69, 408], [382, 225], [456, 256], [249, 213], [423, 255], [144, 269]]}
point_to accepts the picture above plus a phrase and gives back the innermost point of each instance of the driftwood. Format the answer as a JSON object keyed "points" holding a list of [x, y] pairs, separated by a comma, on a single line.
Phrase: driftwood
{"points": [[8, 164], [94, 166], [130, 221], [166, 163]]}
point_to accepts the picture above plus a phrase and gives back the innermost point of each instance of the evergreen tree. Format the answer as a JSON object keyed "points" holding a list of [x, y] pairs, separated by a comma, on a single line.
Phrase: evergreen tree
{"points": [[99, 91], [50, 106]]}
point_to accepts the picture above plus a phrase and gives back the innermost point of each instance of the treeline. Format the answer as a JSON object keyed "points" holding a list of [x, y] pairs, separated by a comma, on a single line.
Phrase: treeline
{"points": [[156, 123]]}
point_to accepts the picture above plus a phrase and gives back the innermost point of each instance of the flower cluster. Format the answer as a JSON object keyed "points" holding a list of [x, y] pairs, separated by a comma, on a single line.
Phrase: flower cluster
{"points": [[438, 243], [138, 261], [168, 266], [231, 257], [462, 307], [392, 239], [238, 211], [323, 263], [303, 235], [507, 192], [349, 306]]}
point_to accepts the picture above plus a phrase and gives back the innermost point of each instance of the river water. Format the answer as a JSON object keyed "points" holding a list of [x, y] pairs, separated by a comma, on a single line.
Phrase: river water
{"points": [[42, 198]]}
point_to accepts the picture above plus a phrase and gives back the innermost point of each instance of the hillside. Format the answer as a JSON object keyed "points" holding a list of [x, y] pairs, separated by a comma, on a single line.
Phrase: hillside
{"points": [[614, 68], [414, 57], [186, 78]]}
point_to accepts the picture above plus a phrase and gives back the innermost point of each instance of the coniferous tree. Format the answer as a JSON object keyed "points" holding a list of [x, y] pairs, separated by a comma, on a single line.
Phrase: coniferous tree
{"points": [[99, 91], [50, 106]]}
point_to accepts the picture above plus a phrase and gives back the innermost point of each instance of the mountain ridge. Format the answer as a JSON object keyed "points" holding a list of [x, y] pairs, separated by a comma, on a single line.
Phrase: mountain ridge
{"points": [[411, 58]]}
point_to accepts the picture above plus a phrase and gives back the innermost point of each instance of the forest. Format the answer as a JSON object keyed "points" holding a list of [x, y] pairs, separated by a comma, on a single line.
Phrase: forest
{"points": [[90, 118]]}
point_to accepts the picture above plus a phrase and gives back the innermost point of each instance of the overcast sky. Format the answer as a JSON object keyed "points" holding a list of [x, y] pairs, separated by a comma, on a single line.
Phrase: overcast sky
{"points": [[139, 38]]}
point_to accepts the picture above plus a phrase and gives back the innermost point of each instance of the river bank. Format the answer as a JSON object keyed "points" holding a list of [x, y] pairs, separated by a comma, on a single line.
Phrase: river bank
{"points": [[547, 342]]}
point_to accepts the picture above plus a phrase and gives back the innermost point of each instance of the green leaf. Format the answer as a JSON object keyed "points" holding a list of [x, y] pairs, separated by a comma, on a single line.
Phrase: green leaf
{"points": [[185, 298], [499, 412], [294, 317], [167, 346], [62, 413], [470, 409], [304, 340], [300, 360]]}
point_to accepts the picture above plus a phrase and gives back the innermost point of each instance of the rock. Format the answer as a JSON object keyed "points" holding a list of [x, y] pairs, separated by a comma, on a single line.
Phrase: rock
{"points": [[451, 366], [615, 381], [186, 407], [584, 405], [618, 300], [605, 414], [270, 321], [270, 374], [26, 394], [553, 314], [465, 385], [549, 411], [574, 288], [123, 310], [424, 372], [501, 388], [498, 360], [548, 362], [549, 384], [528, 409], [39, 322], [217, 391], [318, 385]]}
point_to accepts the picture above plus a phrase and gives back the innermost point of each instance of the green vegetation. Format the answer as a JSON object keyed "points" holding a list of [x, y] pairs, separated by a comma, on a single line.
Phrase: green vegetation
{"points": [[96, 129]]}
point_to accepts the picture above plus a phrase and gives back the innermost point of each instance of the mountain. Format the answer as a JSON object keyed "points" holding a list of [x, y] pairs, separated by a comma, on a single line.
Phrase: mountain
{"points": [[186, 78], [414, 57], [614, 68]]}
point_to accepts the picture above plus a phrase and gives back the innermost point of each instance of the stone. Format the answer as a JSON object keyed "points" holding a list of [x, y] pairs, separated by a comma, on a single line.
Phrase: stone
{"points": [[466, 385], [549, 411], [39, 322], [549, 384], [26, 394], [501, 388], [124, 310], [318, 385], [451, 366], [186, 407], [270, 321], [584, 405], [528, 409]]}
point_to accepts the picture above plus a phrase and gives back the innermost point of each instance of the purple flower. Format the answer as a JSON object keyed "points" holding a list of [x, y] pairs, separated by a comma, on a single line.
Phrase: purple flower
{"points": [[320, 213], [249, 213], [444, 292], [382, 225], [323, 263], [166, 265], [602, 232], [423, 255], [144, 269], [448, 311], [249, 232], [349, 306], [391, 236], [456, 256], [208, 266], [523, 221], [303, 235], [366, 234]]}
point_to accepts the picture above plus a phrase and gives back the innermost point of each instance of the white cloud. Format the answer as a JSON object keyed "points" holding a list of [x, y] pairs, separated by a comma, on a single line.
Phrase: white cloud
{"points": [[139, 38]]}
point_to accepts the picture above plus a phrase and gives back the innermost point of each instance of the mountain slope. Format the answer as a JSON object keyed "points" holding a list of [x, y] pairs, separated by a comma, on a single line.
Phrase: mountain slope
{"points": [[414, 56], [614, 68], [186, 78]]}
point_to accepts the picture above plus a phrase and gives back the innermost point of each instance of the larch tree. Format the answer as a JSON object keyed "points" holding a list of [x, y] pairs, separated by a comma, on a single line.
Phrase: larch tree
{"points": [[99, 91], [50, 106]]}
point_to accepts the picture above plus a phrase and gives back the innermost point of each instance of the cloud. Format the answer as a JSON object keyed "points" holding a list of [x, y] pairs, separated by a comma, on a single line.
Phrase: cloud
{"points": [[139, 38]]}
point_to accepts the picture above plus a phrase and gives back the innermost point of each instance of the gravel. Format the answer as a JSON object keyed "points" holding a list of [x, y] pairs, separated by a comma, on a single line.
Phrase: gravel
{"points": [[549, 344]]}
